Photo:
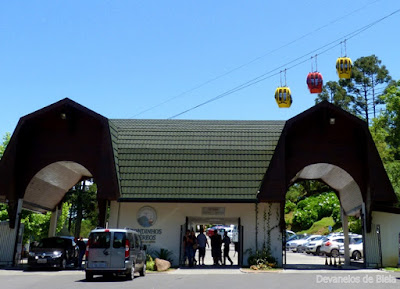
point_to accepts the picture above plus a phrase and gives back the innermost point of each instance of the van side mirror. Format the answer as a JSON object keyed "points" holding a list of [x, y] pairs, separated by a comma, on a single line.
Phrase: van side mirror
{"points": [[144, 247]]}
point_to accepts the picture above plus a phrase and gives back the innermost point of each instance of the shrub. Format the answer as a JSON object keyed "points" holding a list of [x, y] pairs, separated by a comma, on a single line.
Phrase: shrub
{"points": [[163, 254], [260, 259], [150, 264], [289, 206], [303, 219]]}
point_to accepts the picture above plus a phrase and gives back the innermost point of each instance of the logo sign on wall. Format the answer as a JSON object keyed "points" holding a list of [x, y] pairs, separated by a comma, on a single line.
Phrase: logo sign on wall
{"points": [[146, 216]]}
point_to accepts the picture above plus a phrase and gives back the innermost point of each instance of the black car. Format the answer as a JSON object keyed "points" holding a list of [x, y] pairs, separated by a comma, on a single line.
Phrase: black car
{"points": [[55, 252]]}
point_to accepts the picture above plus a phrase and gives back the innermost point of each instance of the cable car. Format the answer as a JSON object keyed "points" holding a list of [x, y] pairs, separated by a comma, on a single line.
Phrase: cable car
{"points": [[315, 82], [343, 67], [283, 97]]}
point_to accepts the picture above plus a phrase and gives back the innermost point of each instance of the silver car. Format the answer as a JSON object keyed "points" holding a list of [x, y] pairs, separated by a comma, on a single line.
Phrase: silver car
{"points": [[115, 251]]}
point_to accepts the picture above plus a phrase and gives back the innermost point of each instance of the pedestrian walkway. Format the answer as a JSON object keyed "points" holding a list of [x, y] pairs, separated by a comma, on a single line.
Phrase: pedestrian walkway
{"points": [[202, 270]]}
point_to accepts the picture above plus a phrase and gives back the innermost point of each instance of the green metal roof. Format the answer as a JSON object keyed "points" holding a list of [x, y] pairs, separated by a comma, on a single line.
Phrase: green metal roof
{"points": [[192, 160]]}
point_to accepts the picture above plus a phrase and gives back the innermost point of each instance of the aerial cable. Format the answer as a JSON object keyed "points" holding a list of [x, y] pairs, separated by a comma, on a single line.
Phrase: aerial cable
{"points": [[264, 76], [255, 59]]}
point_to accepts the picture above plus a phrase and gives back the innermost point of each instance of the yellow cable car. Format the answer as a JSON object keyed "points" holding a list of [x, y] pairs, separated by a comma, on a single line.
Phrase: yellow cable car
{"points": [[283, 97], [343, 67]]}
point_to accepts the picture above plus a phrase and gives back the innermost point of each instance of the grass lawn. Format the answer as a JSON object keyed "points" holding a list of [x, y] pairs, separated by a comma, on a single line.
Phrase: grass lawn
{"points": [[320, 227]]}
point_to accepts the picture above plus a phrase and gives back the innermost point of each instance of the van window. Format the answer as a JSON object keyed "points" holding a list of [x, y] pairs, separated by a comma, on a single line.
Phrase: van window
{"points": [[99, 240], [119, 240]]}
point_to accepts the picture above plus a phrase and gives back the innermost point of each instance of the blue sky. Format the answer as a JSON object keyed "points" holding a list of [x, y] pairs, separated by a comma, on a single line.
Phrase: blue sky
{"points": [[120, 58]]}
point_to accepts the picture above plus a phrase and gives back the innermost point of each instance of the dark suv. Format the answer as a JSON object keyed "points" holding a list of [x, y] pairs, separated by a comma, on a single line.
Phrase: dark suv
{"points": [[54, 252]]}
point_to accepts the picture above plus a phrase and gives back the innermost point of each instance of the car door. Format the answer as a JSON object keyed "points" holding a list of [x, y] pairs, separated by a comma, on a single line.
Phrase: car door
{"points": [[99, 250], [139, 255], [118, 250]]}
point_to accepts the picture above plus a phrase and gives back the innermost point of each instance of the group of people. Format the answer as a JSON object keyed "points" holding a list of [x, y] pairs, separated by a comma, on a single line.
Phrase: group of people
{"points": [[192, 243]]}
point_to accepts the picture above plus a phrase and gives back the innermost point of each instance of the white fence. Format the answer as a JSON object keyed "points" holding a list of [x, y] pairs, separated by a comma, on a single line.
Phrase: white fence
{"points": [[7, 243]]}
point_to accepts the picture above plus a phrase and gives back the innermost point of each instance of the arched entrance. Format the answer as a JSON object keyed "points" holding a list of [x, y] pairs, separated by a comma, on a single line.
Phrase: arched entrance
{"points": [[50, 151], [351, 204], [331, 145]]}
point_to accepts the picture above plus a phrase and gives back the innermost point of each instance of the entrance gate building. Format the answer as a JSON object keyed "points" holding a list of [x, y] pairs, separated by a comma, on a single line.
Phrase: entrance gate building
{"points": [[154, 174]]}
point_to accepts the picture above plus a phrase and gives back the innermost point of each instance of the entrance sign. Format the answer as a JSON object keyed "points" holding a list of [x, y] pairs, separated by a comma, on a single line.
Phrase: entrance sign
{"points": [[146, 216], [213, 211]]}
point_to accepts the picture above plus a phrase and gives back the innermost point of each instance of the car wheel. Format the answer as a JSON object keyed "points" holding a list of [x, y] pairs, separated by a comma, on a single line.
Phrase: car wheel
{"points": [[89, 276], [318, 251], [131, 274], [356, 255], [334, 253], [299, 249], [143, 271]]}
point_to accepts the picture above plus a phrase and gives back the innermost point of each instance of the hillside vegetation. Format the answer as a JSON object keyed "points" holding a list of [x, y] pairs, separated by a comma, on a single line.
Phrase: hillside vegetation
{"points": [[311, 207]]}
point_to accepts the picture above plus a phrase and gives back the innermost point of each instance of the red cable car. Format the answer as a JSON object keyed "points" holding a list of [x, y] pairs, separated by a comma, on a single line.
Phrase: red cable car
{"points": [[315, 82]]}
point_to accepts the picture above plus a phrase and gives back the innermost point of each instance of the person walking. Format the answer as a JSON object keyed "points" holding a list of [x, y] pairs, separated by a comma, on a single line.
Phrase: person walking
{"points": [[202, 242], [216, 242], [188, 247], [82, 249], [227, 241]]}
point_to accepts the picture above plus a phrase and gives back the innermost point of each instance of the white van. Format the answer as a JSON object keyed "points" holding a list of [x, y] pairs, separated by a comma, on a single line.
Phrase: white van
{"points": [[115, 251]]}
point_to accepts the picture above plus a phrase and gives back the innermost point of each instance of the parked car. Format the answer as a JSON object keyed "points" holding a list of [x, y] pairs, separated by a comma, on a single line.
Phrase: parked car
{"points": [[220, 229], [289, 234], [293, 238], [54, 252], [314, 246], [303, 246], [331, 246], [296, 245], [115, 251], [355, 249]]}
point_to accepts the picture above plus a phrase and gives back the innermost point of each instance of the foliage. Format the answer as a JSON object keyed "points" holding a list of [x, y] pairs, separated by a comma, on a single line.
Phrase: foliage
{"points": [[260, 260], [335, 94], [6, 140], [355, 225], [386, 132], [368, 75], [315, 208], [289, 207], [84, 210], [163, 254], [37, 225], [150, 264], [320, 227]]}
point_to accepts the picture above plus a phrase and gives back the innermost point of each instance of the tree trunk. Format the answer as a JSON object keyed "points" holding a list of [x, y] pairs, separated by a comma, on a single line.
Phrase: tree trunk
{"points": [[79, 209]]}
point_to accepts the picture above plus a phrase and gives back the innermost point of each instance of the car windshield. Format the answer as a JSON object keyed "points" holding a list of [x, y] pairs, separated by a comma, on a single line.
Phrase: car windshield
{"points": [[99, 240], [52, 243]]}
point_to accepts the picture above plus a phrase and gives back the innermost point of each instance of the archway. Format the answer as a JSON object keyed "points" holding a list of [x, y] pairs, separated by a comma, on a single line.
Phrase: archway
{"points": [[327, 143], [55, 180], [51, 150], [349, 196]]}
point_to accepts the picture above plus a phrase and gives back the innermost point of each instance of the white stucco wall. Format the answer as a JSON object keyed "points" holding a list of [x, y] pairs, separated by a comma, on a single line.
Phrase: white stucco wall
{"points": [[170, 217], [390, 230]]}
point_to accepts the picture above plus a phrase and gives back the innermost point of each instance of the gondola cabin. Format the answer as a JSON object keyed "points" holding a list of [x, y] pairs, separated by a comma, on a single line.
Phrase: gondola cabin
{"points": [[315, 82], [283, 97], [343, 67]]}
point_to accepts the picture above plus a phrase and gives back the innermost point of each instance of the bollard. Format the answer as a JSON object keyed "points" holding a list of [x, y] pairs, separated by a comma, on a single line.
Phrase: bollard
{"points": [[330, 260], [326, 260], [335, 265]]}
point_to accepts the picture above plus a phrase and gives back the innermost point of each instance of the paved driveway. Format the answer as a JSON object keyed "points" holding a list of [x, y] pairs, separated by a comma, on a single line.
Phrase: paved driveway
{"points": [[180, 279]]}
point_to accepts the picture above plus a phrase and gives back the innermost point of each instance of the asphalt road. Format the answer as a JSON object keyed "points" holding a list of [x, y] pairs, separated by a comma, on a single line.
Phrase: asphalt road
{"points": [[203, 278]]}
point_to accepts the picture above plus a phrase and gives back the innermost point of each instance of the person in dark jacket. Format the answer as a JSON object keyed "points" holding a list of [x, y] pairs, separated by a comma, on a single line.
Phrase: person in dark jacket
{"points": [[216, 242]]}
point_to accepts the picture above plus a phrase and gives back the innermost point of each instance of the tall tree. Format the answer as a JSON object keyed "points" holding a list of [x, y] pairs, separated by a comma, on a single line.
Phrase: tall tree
{"points": [[84, 206], [386, 132], [368, 80], [335, 94]]}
